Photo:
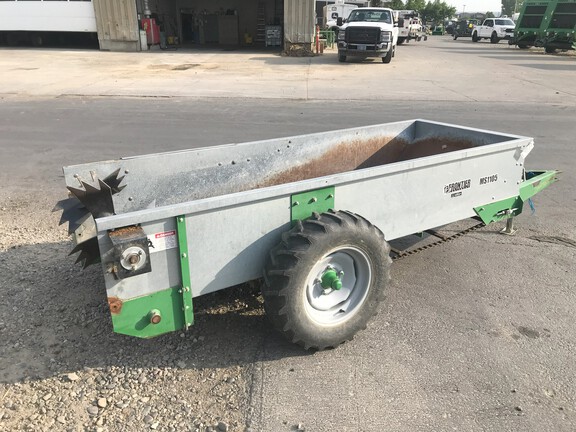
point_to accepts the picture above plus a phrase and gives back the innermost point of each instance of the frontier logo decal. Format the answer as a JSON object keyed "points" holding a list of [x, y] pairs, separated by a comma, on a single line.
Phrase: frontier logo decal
{"points": [[455, 189]]}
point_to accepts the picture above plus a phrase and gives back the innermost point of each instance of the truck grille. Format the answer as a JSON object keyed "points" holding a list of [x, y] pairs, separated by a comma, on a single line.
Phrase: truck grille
{"points": [[363, 35]]}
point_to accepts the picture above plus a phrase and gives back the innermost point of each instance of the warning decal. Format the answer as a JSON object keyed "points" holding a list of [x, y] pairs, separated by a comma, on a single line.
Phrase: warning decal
{"points": [[162, 241]]}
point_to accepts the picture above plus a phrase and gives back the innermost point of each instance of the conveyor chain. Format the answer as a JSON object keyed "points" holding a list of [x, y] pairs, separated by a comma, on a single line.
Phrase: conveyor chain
{"points": [[399, 254]]}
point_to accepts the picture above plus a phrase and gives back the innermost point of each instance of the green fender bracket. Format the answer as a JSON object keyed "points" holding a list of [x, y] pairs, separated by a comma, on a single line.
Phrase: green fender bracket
{"points": [[304, 204], [149, 315], [509, 207], [162, 311]]}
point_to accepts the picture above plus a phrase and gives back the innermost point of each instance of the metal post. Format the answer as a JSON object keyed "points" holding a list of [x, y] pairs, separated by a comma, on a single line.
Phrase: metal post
{"points": [[509, 230]]}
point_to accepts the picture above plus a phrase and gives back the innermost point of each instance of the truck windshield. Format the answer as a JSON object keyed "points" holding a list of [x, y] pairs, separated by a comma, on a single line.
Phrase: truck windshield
{"points": [[504, 22], [371, 16]]}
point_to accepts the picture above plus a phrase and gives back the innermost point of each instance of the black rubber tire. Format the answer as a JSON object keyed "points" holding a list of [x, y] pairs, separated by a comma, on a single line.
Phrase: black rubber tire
{"points": [[289, 266], [475, 37], [388, 57], [550, 50], [522, 46], [455, 36], [341, 58], [494, 38], [400, 41]]}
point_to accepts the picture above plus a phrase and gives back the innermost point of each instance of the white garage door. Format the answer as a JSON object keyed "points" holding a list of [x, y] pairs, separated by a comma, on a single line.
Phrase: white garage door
{"points": [[47, 15]]}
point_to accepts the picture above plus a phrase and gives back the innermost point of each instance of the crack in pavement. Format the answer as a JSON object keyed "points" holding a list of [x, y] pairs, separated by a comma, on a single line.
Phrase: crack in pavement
{"points": [[562, 241]]}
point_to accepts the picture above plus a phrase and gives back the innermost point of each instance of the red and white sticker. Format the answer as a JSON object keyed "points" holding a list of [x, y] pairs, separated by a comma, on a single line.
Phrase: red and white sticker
{"points": [[162, 241]]}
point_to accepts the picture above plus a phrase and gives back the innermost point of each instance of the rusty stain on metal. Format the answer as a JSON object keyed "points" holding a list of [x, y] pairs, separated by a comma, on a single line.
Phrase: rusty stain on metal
{"points": [[433, 146], [134, 232], [359, 154], [115, 305]]}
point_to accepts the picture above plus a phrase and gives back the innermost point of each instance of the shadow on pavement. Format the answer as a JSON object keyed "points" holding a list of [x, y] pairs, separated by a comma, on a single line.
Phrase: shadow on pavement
{"points": [[54, 319]]}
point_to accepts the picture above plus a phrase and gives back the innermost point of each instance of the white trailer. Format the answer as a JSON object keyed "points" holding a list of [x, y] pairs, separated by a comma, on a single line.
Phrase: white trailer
{"points": [[332, 12]]}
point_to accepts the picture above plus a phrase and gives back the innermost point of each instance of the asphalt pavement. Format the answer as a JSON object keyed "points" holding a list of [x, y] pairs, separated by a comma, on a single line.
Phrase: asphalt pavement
{"points": [[475, 335]]}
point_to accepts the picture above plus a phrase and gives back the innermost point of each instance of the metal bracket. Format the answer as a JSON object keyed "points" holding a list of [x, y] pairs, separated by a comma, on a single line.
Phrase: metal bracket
{"points": [[302, 205], [509, 230], [131, 256], [186, 289]]}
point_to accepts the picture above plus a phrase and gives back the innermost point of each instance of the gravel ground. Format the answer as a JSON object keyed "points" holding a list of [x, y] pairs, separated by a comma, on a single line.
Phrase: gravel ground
{"points": [[64, 369]]}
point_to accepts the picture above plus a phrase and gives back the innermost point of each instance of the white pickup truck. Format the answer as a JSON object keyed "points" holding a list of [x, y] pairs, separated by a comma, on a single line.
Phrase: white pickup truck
{"points": [[494, 29], [368, 32]]}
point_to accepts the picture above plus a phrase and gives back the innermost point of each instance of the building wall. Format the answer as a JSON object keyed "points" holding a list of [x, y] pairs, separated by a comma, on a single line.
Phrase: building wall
{"points": [[117, 24], [299, 19]]}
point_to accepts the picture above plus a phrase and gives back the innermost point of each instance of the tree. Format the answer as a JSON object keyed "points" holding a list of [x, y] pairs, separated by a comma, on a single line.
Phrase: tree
{"points": [[511, 6], [489, 15], [437, 11], [417, 5], [394, 4]]}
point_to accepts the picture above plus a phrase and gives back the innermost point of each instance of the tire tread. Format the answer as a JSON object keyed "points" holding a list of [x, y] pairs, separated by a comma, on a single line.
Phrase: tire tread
{"points": [[284, 258]]}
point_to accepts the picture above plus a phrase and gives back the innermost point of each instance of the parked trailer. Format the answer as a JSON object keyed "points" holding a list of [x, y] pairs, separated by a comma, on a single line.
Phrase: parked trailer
{"points": [[548, 24], [464, 28], [312, 214]]}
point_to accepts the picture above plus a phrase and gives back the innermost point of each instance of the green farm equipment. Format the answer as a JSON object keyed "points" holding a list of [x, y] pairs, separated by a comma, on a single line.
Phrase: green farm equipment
{"points": [[548, 24], [309, 216]]}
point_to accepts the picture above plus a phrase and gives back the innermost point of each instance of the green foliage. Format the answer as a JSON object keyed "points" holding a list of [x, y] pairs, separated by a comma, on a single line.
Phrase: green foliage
{"points": [[417, 5], [489, 15], [437, 11], [394, 4], [511, 6]]}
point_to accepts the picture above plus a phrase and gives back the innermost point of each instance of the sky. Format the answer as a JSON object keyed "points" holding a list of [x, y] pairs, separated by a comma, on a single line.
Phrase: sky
{"points": [[475, 5]]}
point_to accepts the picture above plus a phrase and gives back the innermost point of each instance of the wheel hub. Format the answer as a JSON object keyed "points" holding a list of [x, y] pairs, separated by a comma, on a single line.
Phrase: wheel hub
{"points": [[337, 286]]}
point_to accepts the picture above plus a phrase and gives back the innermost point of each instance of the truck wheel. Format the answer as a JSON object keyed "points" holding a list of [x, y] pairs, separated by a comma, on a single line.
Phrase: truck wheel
{"points": [[324, 281], [400, 41], [341, 58], [388, 57], [475, 37], [455, 36], [523, 46], [494, 38], [550, 50]]}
